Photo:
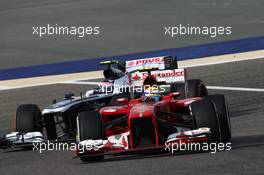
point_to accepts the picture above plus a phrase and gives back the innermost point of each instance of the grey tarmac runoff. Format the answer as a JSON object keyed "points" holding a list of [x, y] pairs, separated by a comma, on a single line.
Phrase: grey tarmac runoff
{"points": [[126, 27], [247, 120]]}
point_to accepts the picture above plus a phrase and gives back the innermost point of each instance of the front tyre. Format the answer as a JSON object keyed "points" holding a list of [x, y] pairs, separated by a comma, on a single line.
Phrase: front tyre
{"points": [[28, 118], [223, 115], [205, 116], [90, 126]]}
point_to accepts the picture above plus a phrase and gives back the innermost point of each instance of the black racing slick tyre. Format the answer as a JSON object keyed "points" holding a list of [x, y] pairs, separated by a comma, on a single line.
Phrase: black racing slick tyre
{"points": [[196, 88], [223, 115], [28, 118], [90, 126], [205, 116]]}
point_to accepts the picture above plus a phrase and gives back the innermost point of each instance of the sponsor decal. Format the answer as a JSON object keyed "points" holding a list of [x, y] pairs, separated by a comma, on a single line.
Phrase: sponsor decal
{"points": [[159, 74], [145, 61], [131, 63], [124, 142], [136, 77], [169, 73]]}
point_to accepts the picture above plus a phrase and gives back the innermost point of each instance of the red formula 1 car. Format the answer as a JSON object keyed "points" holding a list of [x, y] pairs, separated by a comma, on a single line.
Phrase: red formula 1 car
{"points": [[155, 120]]}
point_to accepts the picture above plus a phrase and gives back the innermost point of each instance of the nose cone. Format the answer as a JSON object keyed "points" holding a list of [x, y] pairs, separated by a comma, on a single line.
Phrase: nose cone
{"points": [[142, 111]]}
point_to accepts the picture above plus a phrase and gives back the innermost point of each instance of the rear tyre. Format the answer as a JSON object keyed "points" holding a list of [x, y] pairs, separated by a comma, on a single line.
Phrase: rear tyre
{"points": [[196, 88], [223, 115], [90, 126], [28, 118], [205, 116]]}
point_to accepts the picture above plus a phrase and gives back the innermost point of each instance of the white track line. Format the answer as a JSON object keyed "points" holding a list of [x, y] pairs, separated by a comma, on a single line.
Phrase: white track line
{"points": [[84, 79], [4, 87], [80, 82], [235, 88], [222, 62]]}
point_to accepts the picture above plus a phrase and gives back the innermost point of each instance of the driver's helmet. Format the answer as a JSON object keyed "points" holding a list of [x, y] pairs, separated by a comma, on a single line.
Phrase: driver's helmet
{"points": [[151, 94]]}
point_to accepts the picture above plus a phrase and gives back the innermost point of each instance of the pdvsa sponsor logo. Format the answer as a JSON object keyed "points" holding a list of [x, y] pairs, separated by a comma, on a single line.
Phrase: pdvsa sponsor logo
{"points": [[145, 61]]}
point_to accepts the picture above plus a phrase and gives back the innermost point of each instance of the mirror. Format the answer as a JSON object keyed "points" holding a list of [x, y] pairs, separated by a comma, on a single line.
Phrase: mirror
{"points": [[175, 94], [123, 101]]}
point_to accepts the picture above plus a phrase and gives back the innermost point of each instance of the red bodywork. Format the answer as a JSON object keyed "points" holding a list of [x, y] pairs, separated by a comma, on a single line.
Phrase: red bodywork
{"points": [[143, 116], [139, 110]]}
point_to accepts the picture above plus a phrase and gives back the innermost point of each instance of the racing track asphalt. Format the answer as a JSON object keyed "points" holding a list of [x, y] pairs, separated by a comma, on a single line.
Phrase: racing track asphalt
{"points": [[126, 26], [247, 120]]}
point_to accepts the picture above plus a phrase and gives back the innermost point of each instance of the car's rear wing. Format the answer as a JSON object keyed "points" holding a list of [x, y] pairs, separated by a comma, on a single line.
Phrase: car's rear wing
{"points": [[161, 63], [162, 76]]}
